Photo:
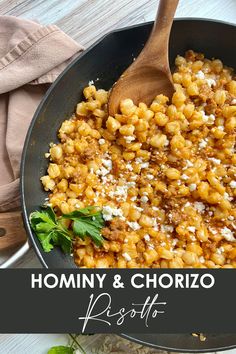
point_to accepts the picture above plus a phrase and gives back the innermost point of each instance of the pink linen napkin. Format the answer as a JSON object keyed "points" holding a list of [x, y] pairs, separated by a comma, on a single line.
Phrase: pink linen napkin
{"points": [[31, 57]]}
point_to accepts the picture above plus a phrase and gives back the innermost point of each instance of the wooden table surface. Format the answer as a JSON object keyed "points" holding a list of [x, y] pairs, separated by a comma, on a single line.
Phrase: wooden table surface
{"points": [[86, 21]]}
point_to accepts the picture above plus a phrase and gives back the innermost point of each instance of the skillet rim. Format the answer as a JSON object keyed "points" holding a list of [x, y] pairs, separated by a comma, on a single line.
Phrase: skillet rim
{"points": [[178, 350], [38, 251]]}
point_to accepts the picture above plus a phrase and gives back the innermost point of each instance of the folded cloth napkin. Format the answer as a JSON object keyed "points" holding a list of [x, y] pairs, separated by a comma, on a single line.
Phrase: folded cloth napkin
{"points": [[31, 57]]}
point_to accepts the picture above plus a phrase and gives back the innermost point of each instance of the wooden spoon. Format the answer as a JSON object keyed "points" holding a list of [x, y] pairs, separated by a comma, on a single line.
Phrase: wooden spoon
{"points": [[12, 232], [149, 75]]}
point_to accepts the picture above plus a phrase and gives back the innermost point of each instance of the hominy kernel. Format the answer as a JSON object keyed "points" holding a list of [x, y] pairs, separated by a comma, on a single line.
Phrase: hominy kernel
{"points": [[178, 98], [101, 96], [53, 170], [127, 107], [193, 90], [190, 258], [172, 173], [161, 119], [172, 127], [89, 91], [141, 125], [56, 152], [128, 155], [48, 183], [127, 129], [177, 142], [158, 141], [112, 124]]}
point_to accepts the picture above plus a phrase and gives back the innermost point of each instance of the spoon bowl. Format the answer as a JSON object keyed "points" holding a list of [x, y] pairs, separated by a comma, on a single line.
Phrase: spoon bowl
{"points": [[146, 84], [149, 75]]}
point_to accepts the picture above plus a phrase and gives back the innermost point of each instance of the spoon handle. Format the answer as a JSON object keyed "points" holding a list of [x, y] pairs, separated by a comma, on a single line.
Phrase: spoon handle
{"points": [[157, 45]]}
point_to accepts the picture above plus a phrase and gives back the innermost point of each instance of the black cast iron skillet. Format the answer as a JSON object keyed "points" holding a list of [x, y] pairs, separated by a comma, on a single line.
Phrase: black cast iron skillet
{"points": [[103, 63]]}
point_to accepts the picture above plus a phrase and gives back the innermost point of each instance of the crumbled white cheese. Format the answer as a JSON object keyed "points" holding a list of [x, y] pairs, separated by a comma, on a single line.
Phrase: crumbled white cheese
{"points": [[121, 192], [128, 138], [221, 127], [220, 250], [144, 199], [101, 141], [91, 82], [144, 165], [102, 171], [233, 101], [166, 142], [129, 167], [130, 184], [191, 229], [208, 119], [200, 75], [146, 237], [150, 177], [232, 184], [227, 196], [192, 187], [185, 177], [167, 228], [215, 161], [213, 231], [107, 164], [199, 206], [211, 82], [188, 164], [155, 208], [108, 212], [47, 155], [151, 246], [227, 234], [174, 242], [138, 160], [163, 244], [126, 256], [201, 259], [204, 117], [133, 198], [133, 225], [202, 144], [138, 208], [211, 119]]}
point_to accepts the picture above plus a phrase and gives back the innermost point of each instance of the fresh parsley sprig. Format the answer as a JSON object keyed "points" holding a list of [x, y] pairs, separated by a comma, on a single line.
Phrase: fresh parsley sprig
{"points": [[87, 222], [51, 230], [61, 349], [73, 348]]}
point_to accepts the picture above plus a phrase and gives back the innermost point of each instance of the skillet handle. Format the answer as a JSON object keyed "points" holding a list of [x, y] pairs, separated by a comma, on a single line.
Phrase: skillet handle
{"points": [[12, 232]]}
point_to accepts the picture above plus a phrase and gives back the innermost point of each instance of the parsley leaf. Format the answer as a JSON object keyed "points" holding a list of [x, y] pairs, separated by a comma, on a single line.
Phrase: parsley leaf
{"points": [[51, 231], [61, 350], [87, 222]]}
